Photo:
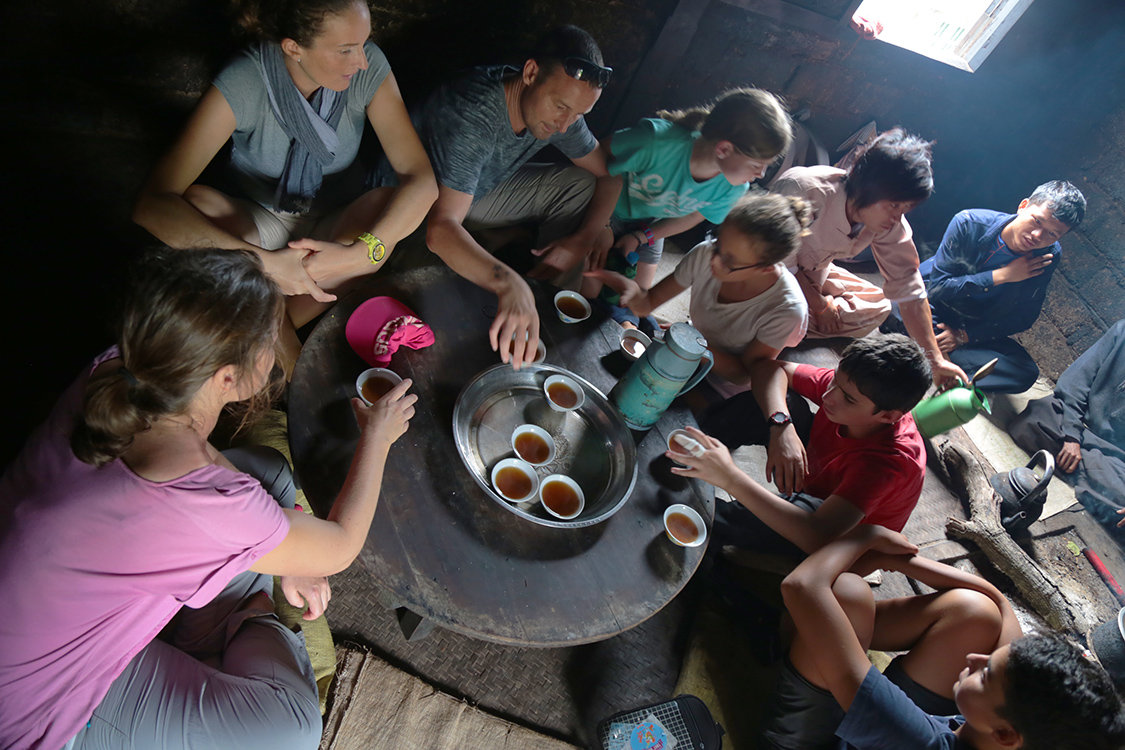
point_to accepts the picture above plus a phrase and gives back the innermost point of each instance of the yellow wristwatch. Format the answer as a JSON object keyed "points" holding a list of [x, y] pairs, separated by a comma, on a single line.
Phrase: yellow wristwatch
{"points": [[376, 250]]}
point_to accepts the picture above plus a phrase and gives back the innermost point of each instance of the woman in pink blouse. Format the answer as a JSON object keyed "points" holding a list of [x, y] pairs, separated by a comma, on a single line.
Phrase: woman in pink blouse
{"points": [[121, 519]]}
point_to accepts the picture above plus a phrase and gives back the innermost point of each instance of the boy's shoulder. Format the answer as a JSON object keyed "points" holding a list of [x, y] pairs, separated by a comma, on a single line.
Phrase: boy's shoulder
{"points": [[807, 376], [881, 715]]}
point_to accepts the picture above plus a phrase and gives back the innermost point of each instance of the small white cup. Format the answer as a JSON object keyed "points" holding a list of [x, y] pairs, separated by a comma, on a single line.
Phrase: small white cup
{"points": [[366, 375], [634, 343], [539, 432], [675, 447], [691, 514], [569, 383], [562, 478], [525, 468], [579, 299], [540, 350]]}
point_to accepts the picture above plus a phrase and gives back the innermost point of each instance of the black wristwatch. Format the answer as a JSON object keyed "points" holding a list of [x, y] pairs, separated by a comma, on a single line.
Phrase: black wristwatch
{"points": [[778, 419]]}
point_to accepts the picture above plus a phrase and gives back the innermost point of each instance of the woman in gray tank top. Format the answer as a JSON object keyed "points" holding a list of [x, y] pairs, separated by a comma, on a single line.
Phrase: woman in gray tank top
{"points": [[295, 104]]}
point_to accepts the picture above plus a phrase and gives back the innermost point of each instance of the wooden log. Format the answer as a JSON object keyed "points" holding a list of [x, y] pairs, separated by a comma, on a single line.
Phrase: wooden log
{"points": [[967, 472]]}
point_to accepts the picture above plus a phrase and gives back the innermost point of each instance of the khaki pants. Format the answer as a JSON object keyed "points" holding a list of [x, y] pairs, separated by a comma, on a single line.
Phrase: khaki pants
{"points": [[862, 305], [552, 196]]}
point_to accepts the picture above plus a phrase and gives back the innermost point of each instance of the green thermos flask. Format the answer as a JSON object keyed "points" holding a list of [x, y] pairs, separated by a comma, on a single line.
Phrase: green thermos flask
{"points": [[950, 409]]}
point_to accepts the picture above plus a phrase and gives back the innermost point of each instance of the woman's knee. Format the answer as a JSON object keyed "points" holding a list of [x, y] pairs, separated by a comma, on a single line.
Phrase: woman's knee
{"points": [[294, 723], [222, 211], [208, 201], [303, 728]]}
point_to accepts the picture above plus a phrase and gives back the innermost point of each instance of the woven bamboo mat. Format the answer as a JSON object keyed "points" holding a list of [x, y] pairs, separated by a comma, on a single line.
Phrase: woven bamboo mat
{"points": [[563, 692]]}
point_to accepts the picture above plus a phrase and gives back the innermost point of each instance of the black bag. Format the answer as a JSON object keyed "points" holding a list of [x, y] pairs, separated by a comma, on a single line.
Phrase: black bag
{"points": [[686, 718]]}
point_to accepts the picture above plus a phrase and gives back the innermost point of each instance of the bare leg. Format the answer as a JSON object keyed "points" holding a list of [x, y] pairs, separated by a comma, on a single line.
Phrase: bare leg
{"points": [[858, 602], [288, 344], [223, 212], [939, 630], [343, 227]]}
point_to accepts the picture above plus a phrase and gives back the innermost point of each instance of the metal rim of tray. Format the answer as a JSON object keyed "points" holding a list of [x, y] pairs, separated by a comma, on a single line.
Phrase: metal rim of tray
{"points": [[489, 387]]}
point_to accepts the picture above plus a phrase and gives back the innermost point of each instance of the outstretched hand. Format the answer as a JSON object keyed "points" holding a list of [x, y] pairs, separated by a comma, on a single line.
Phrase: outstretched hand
{"points": [[945, 373], [557, 258], [629, 289], [516, 321], [581, 249]]}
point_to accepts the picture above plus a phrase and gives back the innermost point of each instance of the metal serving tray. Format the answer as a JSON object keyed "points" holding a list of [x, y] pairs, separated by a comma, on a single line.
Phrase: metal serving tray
{"points": [[594, 447]]}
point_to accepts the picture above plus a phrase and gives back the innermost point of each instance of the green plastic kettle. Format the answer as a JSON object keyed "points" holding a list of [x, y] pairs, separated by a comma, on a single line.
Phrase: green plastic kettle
{"points": [[949, 409]]}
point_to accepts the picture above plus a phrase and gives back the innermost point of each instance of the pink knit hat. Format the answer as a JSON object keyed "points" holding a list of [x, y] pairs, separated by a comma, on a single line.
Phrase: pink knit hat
{"points": [[380, 326]]}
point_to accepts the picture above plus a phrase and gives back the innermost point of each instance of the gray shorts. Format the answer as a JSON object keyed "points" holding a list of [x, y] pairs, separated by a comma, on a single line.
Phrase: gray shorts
{"points": [[800, 716], [552, 196], [276, 228]]}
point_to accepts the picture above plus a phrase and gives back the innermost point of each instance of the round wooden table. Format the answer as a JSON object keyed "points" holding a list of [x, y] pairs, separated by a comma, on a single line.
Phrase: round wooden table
{"points": [[444, 552]]}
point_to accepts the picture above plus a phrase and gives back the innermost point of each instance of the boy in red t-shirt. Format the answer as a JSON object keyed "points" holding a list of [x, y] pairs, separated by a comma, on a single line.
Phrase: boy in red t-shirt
{"points": [[864, 463]]}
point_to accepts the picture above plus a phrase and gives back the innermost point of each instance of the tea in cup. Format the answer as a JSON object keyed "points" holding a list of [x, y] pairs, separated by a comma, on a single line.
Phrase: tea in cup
{"points": [[515, 480], [634, 342], [684, 526], [563, 393], [561, 496], [533, 444], [375, 383], [572, 307]]}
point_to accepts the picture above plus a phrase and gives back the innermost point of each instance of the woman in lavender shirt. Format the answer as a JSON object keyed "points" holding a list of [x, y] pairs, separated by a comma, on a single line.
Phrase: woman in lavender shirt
{"points": [[136, 560]]}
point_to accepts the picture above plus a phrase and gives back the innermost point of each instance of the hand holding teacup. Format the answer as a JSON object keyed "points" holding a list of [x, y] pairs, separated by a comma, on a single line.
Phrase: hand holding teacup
{"points": [[389, 416], [708, 459]]}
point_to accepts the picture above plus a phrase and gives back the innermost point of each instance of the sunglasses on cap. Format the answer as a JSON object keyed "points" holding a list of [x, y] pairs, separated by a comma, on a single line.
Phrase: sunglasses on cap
{"points": [[581, 69]]}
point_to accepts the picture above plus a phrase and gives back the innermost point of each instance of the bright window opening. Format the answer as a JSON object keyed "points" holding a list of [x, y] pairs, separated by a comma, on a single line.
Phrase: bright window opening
{"points": [[960, 33]]}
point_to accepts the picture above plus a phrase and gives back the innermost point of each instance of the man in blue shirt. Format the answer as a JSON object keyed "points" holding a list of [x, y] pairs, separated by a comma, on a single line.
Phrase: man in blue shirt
{"points": [[1033, 693], [989, 278]]}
